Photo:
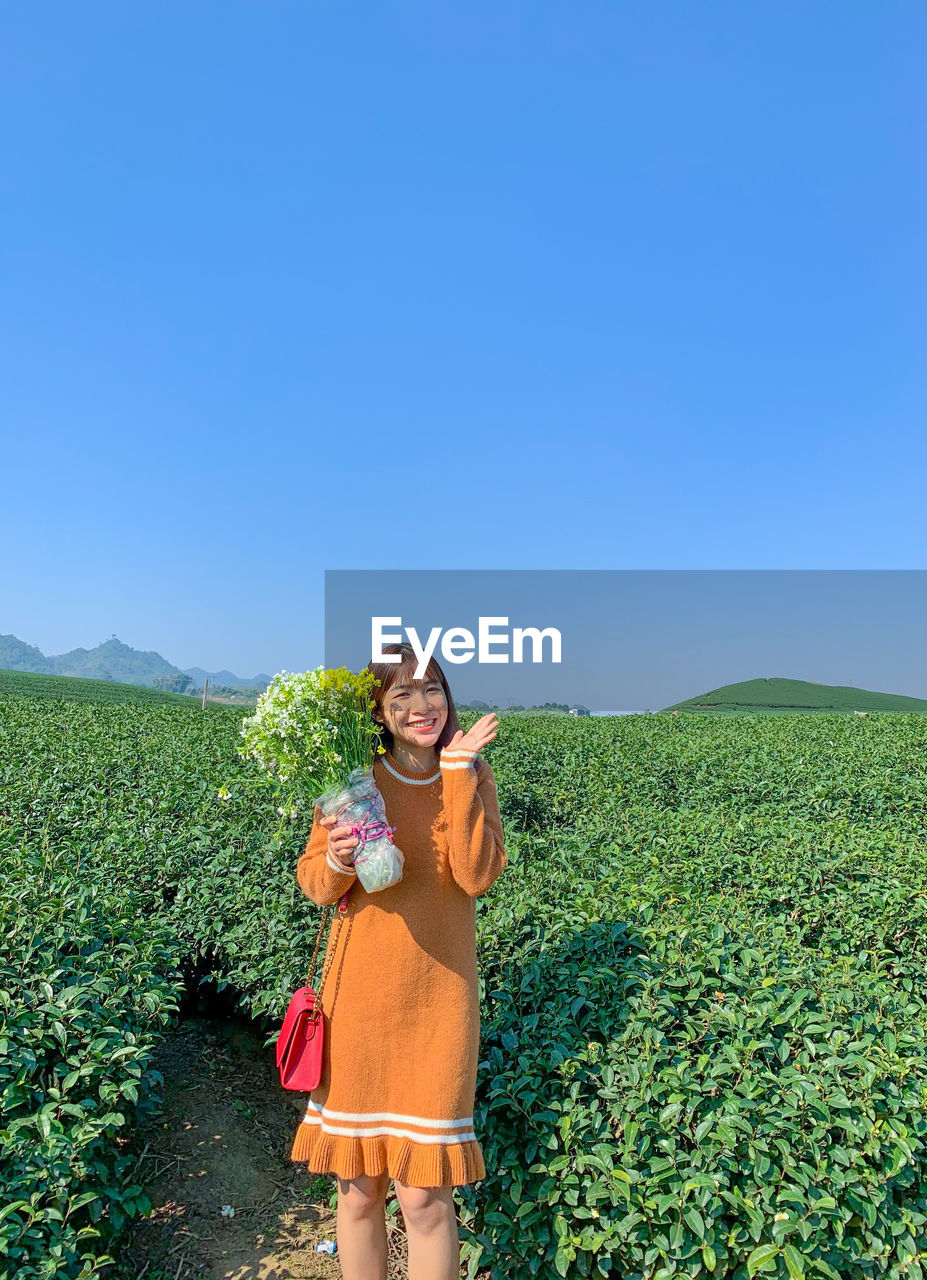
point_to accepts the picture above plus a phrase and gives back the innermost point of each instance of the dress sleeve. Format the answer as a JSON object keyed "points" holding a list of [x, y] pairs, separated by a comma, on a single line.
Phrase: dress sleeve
{"points": [[476, 851], [318, 872]]}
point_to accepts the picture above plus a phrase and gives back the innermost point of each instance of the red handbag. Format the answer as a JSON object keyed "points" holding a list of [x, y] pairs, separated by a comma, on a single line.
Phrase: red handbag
{"points": [[301, 1039]]}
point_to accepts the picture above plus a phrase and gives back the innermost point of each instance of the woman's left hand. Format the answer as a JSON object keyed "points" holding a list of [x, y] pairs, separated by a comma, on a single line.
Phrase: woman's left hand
{"points": [[476, 736]]}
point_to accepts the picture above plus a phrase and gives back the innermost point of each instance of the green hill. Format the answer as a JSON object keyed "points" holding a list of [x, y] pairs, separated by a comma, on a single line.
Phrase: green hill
{"points": [[783, 697], [31, 684]]}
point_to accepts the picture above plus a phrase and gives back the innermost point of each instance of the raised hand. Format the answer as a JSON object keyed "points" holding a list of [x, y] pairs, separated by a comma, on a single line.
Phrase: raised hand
{"points": [[477, 735]]}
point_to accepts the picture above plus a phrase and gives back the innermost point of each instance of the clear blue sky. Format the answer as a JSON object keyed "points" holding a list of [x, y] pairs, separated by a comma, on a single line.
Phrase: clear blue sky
{"points": [[293, 286]]}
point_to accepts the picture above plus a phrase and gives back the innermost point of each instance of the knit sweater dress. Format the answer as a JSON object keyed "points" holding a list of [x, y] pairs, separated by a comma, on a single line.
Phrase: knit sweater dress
{"points": [[402, 1023]]}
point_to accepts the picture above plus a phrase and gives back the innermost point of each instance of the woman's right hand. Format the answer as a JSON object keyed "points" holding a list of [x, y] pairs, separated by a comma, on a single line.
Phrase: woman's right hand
{"points": [[341, 840]]}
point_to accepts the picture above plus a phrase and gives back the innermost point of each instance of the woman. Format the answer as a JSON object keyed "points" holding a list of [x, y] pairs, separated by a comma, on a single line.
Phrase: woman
{"points": [[401, 1002]]}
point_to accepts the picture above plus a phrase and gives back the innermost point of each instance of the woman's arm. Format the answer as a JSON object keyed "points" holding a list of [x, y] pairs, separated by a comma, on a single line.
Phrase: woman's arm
{"points": [[476, 851], [321, 876]]}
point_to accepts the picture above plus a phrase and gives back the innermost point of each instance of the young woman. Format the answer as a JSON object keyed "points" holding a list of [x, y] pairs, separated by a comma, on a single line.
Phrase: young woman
{"points": [[401, 1002]]}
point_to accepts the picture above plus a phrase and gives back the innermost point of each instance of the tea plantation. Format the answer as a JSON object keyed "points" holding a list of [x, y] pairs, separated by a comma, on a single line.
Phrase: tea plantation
{"points": [[704, 1019]]}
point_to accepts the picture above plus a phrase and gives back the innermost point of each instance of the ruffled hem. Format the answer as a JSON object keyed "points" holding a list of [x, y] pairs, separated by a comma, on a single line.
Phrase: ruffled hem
{"points": [[417, 1164]]}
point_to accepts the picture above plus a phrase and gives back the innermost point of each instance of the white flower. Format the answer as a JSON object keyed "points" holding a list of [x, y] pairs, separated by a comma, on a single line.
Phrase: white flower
{"points": [[227, 1211]]}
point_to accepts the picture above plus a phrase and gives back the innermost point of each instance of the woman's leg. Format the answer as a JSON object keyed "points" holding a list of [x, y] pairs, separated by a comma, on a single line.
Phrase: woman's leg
{"points": [[361, 1227], [430, 1216]]}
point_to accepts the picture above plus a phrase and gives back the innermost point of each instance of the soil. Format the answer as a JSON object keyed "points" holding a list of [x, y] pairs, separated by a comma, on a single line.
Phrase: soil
{"points": [[223, 1139]]}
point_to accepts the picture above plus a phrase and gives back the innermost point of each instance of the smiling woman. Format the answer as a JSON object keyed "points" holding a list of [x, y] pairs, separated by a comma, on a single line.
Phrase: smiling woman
{"points": [[401, 1045]]}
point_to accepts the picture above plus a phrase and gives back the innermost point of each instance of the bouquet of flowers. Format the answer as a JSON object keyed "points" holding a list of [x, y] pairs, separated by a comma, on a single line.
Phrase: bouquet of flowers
{"points": [[313, 734]]}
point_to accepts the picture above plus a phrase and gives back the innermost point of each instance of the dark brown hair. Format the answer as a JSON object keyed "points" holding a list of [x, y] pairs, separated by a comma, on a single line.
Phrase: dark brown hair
{"points": [[402, 672]]}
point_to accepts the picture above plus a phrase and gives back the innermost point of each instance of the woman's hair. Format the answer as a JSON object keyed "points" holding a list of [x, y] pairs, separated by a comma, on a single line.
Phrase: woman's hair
{"points": [[403, 672]]}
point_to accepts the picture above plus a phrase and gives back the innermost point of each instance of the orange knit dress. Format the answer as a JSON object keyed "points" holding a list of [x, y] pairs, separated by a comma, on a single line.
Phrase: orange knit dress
{"points": [[402, 1022]]}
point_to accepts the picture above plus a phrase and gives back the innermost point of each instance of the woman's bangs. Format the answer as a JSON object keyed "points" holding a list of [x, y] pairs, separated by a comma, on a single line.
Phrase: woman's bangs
{"points": [[405, 673]]}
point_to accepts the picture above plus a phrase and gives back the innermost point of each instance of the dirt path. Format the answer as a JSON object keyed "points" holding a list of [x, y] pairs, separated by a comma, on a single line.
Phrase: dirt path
{"points": [[223, 1140]]}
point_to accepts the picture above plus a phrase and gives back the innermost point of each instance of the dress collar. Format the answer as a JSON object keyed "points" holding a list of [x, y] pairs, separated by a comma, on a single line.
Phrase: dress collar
{"points": [[415, 776]]}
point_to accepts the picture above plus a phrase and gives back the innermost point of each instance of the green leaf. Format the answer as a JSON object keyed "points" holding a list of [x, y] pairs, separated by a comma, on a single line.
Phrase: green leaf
{"points": [[763, 1258], [85, 1197], [794, 1261], [696, 1222], [12, 1206]]}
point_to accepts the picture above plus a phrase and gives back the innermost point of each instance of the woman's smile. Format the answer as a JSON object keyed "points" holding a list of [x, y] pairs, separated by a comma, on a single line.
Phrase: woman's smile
{"points": [[422, 726]]}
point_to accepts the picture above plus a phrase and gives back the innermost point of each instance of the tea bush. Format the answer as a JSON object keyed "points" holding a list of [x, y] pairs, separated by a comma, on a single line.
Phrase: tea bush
{"points": [[702, 982]]}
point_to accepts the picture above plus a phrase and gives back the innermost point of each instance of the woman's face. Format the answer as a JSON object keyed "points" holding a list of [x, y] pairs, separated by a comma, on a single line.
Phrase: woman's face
{"points": [[415, 711]]}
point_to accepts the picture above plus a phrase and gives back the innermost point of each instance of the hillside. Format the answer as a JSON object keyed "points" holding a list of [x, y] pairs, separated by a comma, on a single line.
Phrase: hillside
{"points": [[16, 655], [775, 696], [30, 684]]}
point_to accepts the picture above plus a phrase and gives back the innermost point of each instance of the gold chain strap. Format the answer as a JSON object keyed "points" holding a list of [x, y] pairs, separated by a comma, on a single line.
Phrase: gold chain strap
{"points": [[341, 963], [318, 943], [329, 954]]}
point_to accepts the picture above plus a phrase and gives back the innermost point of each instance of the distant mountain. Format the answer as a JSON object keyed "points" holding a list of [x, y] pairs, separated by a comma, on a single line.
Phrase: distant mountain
{"points": [[113, 660], [775, 696], [198, 676], [16, 655], [120, 663]]}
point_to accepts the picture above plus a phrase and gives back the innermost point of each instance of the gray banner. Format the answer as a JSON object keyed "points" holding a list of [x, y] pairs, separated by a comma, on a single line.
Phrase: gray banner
{"points": [[637, 639]]}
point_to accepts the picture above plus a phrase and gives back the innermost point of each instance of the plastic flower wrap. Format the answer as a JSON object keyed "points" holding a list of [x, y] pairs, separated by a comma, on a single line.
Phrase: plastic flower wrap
{"points": [[359, 805], [312, 732]]}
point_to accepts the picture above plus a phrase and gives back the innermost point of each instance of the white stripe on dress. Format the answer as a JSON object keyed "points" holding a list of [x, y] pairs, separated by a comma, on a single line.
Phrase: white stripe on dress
{"points": [[456, 764], [383, 1115], [465, 1135]]}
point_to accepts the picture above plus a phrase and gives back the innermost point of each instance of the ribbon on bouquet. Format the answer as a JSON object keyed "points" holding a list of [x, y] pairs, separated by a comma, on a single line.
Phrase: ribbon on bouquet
{"points": [[370, 831]]}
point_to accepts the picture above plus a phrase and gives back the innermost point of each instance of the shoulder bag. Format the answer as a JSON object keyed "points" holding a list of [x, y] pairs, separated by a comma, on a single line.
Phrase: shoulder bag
{"points": [[301, 1040]]}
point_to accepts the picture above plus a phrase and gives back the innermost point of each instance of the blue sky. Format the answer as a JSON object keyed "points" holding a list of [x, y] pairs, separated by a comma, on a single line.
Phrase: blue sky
{"points": [[291, 287]]}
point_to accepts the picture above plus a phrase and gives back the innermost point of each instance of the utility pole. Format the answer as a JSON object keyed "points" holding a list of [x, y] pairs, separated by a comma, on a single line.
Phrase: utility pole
{"points": [[205, 691]]}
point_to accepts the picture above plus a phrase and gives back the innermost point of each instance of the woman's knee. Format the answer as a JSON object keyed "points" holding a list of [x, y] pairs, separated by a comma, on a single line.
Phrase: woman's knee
{"points": [[424, 1208], [363, 1195]]}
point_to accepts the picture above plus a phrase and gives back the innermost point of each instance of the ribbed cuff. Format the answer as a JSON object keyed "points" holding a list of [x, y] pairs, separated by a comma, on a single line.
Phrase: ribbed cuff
{"points": [[337, 866]]}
